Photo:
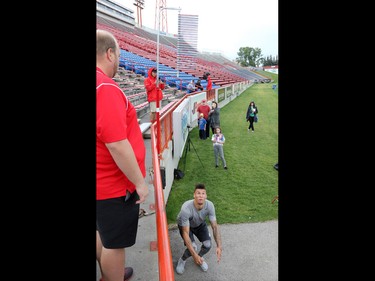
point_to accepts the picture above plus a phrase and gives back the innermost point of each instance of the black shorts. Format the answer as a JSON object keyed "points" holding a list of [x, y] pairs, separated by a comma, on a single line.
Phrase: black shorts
{"points": [[117, 221], [201, 232]]}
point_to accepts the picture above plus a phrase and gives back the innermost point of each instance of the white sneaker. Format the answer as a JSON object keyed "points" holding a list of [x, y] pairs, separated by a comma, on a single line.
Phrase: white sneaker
{"points": [[204, 266], [180, 268], [195, 246]]}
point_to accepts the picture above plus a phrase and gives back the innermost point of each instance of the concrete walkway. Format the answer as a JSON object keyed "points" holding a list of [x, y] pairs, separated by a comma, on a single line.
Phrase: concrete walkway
{"points": [[250, 250], [250, 253]]}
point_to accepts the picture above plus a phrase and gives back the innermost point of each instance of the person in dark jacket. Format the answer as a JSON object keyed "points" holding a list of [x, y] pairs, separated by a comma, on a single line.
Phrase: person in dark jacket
{"points": [[198, 85], [154, 91], [214, 116], [252, 110]]}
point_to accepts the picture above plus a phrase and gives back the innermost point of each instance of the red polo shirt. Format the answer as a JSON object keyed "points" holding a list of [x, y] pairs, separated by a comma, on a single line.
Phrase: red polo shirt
{"points": [[205, 109], [116, 119]]}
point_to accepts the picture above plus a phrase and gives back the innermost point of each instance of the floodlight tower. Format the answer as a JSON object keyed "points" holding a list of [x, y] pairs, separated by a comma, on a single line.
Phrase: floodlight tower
{"points": [[163, 15]]}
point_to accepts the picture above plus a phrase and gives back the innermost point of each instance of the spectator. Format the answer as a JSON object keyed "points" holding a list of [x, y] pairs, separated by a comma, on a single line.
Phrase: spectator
{"points": [[191, 86], [154, 92], [218, 140], [191, 222], [120, 165], [205, 109], [214, 116], [202, 127], [207, 76], [252, 110], [198, 85]]}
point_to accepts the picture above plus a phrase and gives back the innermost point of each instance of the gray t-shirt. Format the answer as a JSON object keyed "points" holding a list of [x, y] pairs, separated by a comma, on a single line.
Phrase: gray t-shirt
{"points": [[190, 216]]}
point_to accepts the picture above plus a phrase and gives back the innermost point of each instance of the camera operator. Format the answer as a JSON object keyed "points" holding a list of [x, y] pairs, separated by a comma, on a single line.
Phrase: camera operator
{"points": [[154, 91]]}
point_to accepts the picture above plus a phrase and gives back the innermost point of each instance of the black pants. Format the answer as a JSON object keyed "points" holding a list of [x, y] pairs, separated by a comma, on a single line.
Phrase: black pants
{"points": [[202, 134], [251, 120], [202, 233], [208, 128]]}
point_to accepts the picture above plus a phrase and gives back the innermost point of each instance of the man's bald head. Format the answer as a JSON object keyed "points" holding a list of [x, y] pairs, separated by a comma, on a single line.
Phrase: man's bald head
{"points": [[104, 41], [107, 52]]}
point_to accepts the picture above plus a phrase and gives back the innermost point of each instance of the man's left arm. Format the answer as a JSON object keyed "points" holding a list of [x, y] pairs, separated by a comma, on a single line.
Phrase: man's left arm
{"points": [[217, 237]]}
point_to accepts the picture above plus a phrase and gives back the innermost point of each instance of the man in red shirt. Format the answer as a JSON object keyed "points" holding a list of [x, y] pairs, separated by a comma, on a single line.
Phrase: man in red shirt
{"points": [[120, 165], [205, 109]]}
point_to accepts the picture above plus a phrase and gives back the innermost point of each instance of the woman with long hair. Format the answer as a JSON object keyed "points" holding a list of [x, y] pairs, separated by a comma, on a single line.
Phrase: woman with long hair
{"points": [[251, 113], [214, 116]]}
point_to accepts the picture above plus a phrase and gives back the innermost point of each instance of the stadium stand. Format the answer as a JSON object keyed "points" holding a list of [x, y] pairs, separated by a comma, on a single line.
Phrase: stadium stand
{"points": [[139, 52]]}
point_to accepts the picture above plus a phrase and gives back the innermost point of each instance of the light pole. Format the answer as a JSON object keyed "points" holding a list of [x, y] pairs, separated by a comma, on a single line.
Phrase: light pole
{"points": [[157, 78]]}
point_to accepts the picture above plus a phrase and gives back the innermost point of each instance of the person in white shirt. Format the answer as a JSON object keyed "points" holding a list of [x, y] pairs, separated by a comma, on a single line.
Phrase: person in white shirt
{"points": [[218, 140], [191, 86]]}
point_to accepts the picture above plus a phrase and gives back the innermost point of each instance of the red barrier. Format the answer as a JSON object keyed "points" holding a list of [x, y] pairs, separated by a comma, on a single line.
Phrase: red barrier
{"points": [[166, 272]]}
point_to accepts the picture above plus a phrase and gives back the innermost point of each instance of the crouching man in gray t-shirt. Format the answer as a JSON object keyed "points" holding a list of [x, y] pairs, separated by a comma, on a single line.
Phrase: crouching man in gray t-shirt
{"points": [[192, 221]]}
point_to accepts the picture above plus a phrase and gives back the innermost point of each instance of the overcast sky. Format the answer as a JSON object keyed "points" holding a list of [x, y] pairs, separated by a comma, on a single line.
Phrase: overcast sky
{"points": [[223, 26]]}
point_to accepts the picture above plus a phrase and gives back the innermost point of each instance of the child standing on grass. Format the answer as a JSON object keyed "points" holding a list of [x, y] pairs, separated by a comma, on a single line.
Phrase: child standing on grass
{"points": [[202, 127], [218, 140]]}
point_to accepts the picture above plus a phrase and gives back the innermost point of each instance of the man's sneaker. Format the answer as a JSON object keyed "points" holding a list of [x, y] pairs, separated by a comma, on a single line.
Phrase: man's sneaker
{"points": [[204, 266], [128, 273], [195, 246], [180, 268]]}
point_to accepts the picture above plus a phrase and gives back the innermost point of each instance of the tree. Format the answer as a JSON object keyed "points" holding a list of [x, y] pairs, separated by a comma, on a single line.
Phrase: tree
{"points": [[248, 56], [269, 61]]}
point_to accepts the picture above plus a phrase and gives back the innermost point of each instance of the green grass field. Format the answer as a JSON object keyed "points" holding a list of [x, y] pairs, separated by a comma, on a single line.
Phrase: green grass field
{"points": [[245, 191]]}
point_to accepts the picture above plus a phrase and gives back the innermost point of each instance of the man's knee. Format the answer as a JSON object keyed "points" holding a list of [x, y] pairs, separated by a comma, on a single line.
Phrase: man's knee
{"points": [[207, 244]]}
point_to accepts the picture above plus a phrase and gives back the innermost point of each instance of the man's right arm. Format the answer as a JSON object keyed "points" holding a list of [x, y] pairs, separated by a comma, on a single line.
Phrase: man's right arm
{"points": [[123, 154]]}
